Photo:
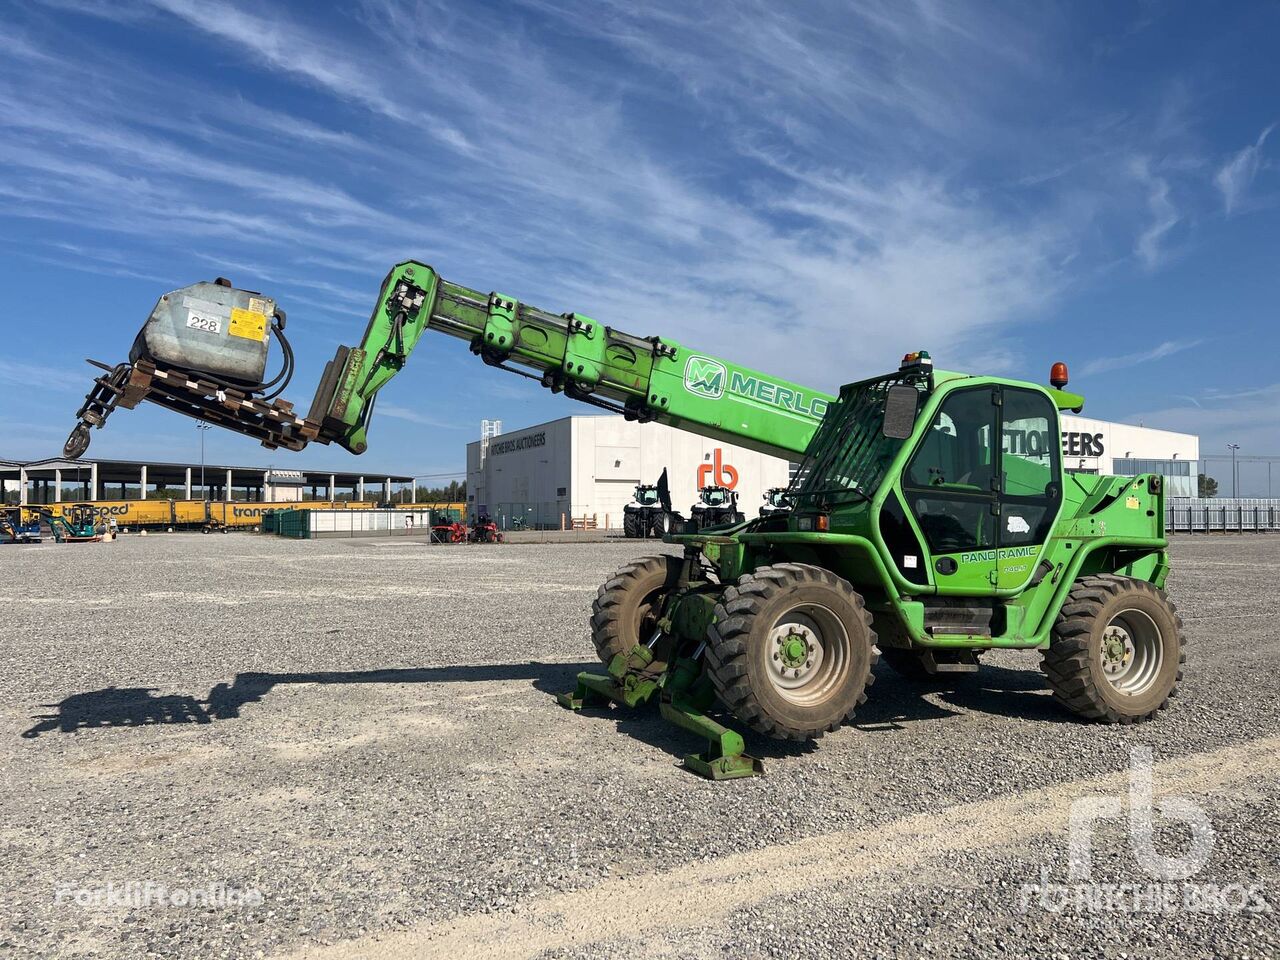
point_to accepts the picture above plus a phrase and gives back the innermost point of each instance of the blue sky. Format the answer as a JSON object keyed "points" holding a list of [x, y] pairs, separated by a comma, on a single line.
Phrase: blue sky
{"points": [[808, 188]]}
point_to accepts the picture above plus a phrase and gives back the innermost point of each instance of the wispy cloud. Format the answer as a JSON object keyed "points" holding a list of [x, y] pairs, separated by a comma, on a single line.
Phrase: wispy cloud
{"points": [[1236, 175], [1163, 214], [415, 416], [748, 177], [37, 376], [1161, 350], [285, 46], [1251, 419]]}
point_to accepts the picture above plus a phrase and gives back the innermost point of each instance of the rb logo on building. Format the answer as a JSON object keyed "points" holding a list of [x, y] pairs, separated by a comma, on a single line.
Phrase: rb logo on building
{"points": [[726, 474]]}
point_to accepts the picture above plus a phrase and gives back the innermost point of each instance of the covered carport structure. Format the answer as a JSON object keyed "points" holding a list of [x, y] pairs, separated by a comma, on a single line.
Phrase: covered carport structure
{"points": [[57, 479]]}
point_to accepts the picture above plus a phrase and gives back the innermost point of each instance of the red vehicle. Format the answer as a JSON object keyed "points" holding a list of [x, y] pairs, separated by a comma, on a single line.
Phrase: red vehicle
{"points": [[484, 530], [446, 532]]}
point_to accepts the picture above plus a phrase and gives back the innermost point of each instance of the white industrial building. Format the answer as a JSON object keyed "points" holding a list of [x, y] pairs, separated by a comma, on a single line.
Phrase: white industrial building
{"points": [[588, 466], [1100, 446]]}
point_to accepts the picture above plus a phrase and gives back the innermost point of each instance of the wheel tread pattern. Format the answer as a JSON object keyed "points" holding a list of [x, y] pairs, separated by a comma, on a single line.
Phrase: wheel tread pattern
{"points": [[727, 640], [605, 624], [1066, 663]]}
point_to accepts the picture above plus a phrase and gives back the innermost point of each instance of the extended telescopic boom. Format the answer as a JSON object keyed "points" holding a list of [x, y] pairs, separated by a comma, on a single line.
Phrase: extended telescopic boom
{"points": [[643, 378]]}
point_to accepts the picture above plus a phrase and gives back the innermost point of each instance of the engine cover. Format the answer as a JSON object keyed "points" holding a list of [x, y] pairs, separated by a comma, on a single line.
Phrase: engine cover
{"points": [[209, 328]]}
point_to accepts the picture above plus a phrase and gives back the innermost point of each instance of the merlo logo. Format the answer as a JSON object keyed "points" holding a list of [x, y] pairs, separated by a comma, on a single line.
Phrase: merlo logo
{"points": [[705, 377]]}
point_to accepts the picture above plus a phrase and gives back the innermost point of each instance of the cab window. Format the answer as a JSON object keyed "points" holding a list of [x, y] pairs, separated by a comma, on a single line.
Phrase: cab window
{"points": [[950, 480]]}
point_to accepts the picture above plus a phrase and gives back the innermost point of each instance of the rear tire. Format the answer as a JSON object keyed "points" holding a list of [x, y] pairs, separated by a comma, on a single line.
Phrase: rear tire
{"points": [[791, 651], [628, 604], [630, 525], [1117, 650]]}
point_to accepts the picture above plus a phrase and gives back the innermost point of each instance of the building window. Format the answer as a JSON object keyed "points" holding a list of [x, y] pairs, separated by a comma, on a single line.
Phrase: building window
{"points": [[1128, 467], [562, 491], [1177, 473]]}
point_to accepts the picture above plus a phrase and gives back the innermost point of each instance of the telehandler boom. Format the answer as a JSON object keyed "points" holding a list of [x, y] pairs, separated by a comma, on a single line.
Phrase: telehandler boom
{"points": [[931, 518], [202, 352]]}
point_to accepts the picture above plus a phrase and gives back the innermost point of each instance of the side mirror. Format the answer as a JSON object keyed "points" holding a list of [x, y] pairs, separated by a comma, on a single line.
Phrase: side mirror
{"points": [[900, 411]]}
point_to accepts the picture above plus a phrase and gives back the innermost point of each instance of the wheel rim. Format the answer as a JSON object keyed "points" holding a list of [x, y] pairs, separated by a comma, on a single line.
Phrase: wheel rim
{"points": [[1132, 652], [808, 650]]}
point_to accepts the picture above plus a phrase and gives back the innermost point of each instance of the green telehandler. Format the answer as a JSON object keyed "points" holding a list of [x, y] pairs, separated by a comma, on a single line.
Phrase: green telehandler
{"points": [[931, 518]]}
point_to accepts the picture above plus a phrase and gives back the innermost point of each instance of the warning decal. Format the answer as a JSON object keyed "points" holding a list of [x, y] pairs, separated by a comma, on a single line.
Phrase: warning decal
{"points": [[247, 324]]}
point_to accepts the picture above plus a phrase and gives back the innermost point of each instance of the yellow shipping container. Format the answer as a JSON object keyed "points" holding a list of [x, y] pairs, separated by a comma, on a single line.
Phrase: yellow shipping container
{"points": [[236, 514], [126, 513], [190, 512]]}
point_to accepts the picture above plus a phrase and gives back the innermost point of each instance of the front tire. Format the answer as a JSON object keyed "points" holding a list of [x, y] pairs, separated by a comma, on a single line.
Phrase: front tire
{"points": [[1117, 650], [631, 525], [791, 651], [629, 603]]}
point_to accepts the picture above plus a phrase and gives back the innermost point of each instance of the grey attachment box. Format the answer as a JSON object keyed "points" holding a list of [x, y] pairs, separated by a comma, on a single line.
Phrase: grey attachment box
{"points": [[209, 328]]}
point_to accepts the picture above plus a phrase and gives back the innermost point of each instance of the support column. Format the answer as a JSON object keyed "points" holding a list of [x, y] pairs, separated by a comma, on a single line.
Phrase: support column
{"points": [[188, 493], [93, 481], [360, 489], [22, 484], [265, 493], [142, 482], [386, 490], [413, 490], [57, 486], [227, 494], [333, 483]]}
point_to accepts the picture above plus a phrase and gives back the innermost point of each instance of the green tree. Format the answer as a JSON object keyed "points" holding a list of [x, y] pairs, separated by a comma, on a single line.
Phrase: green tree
{"points": [[1207, 486], [453, 492]]}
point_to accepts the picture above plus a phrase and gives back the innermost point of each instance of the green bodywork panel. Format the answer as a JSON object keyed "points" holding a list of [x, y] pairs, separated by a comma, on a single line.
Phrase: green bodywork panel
{"points": [[647, 378]]}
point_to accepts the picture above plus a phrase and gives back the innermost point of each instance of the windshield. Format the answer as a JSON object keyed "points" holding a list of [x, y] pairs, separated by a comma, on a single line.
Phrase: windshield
{"points": [[714, 497], [848, 456], [646, 495]]}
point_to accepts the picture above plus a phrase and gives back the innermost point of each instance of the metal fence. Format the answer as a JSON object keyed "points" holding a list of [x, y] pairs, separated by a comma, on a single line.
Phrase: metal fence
{"points": [[1221, 515]]}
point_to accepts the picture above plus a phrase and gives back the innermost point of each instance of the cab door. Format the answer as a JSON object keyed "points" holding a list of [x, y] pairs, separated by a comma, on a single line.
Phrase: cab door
{"points": [[951, 488], [1030, 487]]}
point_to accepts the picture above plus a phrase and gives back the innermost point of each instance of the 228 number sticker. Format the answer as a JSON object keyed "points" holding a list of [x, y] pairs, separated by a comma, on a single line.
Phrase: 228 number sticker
{"points": [[201, 321]]}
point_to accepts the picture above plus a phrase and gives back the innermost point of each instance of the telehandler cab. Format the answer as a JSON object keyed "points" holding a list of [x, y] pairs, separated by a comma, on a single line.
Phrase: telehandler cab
{"points": [[931, 516]]}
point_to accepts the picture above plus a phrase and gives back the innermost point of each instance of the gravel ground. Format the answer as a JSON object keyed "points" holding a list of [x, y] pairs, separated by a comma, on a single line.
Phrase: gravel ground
{"points": [[362, 735]]}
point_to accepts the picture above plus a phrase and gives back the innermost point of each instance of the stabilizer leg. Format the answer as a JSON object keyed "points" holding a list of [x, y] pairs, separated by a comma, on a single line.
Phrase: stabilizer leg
{"points": [[724, 758]]}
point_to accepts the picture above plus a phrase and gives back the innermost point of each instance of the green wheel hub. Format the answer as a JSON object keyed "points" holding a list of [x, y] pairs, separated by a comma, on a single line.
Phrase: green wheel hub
{"points": [[808, 652], [1132, 652], [794, 651]]}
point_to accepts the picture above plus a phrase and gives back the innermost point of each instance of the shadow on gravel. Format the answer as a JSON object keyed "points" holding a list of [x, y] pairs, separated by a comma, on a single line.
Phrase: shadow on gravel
{"points": [[140, 706], [893, 701]]}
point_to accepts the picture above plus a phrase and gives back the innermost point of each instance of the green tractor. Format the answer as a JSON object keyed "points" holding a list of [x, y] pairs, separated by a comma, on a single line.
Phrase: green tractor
{"points": [[931, 518], [933, 521]]}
